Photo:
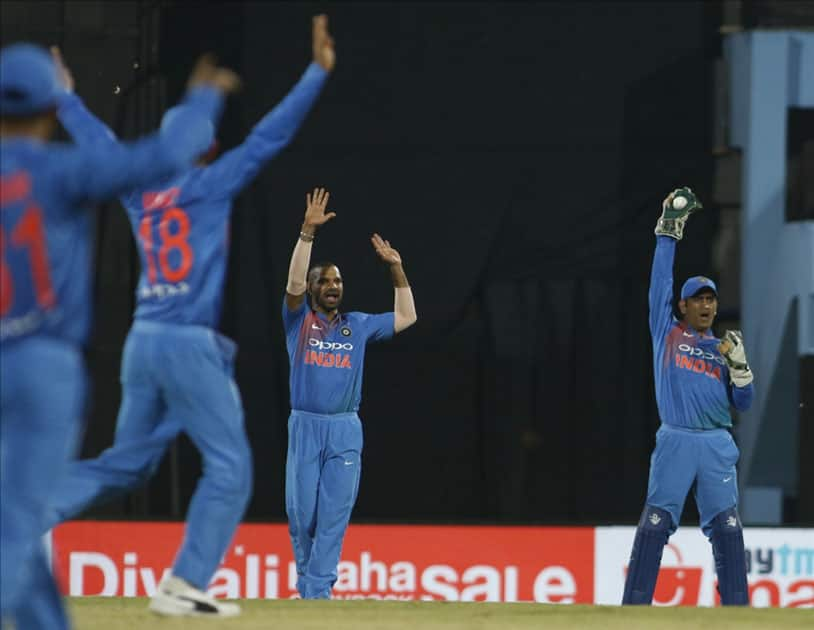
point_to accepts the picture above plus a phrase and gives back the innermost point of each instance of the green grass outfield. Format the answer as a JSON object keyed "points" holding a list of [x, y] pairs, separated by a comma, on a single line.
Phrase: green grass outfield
{"points": [[103, 613]]}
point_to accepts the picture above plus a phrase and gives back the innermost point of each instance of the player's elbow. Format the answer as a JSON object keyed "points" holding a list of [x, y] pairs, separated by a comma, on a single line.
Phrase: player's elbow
{"points": [[296, 287], [403, 322]]}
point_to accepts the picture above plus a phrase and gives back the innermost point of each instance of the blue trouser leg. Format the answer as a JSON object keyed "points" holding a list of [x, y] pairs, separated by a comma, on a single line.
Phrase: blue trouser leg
{"points": [[302, 468], [143, 434], [338, 487], [717, 496], [197, 370], [38, 434], [716, 489], [673, 467], [41, 608]]}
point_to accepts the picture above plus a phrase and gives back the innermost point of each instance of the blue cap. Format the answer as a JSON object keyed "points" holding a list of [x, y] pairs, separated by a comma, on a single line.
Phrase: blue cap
{"points": [[695, 284], [196, 128], [29, 83]]}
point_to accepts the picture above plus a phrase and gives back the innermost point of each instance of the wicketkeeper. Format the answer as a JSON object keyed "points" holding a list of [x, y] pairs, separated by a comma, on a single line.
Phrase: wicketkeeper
{"points": [[698, 377]]}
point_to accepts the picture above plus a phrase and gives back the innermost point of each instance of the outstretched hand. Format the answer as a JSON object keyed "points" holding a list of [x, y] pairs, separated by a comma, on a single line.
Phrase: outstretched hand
{"points": [[323, 43], [385, 250], [64, 73], [315, 205], [207, 72]]}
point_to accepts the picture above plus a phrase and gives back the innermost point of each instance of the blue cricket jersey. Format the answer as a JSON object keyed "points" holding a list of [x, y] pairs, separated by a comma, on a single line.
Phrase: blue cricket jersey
{"points": [[692, 379], [45, 239], [327, 357], [181, 224]]}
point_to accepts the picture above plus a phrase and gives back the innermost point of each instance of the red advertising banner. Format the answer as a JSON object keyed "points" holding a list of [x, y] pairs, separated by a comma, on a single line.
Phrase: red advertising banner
{"points": [[455, 563]]}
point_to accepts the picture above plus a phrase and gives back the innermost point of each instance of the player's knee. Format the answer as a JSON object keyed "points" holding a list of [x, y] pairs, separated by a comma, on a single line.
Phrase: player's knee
{"points": [[727, 523], [655, 520]]}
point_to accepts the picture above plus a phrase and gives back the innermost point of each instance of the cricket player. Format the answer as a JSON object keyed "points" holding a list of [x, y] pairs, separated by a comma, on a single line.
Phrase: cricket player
{"points": [[177, 370], [326, 352], [45, 301], [698, 377]]}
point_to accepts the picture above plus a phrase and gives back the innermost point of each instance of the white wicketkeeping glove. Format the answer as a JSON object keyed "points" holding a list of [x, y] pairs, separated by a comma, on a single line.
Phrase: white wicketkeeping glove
{"points": [[734, 354]]}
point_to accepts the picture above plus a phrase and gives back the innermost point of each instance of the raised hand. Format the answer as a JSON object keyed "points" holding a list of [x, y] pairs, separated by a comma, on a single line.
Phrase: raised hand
{"points": [[207, 72], [385, 250], [315, 205], [64, 73], [668, 201], [323, 43], [675, 210]]}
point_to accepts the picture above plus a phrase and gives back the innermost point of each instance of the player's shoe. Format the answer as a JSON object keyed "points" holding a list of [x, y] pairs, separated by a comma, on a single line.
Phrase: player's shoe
{"points": [[178, 598]]}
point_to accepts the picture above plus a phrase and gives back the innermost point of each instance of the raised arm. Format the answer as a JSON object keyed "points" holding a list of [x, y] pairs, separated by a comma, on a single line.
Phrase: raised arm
{"points": [[275, 131], [205, 75], [100, 170], [82, 126], [669, 230], [404, 304], [660, 295], [315, 216]]}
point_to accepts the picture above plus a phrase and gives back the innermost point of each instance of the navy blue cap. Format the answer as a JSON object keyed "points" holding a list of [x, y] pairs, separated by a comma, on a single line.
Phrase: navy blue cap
{"points": [[194, 125], [29, 83], [695, 284]]}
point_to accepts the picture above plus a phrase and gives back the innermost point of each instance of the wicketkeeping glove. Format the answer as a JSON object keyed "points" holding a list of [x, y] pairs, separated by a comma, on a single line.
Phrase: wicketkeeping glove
{"points": [[734, 354], [674, 216]]}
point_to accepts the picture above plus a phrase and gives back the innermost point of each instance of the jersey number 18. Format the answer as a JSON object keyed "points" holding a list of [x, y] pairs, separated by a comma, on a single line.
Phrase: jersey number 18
{"points": [[173, 231]]}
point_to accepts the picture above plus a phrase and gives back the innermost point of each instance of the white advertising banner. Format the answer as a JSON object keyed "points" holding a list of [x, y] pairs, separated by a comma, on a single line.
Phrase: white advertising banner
{"points": [[780, 564]]}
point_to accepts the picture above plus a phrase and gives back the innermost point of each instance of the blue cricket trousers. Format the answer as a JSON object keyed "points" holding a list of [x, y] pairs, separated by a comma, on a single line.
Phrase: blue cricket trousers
{"points": [[42, 391], [323, 467], [683, 456], [175, 378]]}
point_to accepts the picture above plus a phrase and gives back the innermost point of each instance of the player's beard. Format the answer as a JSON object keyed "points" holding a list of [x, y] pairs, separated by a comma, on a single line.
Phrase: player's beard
{"points": [[329, 306]]}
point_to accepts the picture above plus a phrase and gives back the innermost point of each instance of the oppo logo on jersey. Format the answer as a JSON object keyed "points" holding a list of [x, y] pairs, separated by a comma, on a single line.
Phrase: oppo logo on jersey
{"points": [[698, 365], [329, 345], [699, 352]]}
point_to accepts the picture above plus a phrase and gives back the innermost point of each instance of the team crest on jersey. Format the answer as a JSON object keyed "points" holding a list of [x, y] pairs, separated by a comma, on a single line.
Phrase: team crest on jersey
{"points": [[345, 331]]}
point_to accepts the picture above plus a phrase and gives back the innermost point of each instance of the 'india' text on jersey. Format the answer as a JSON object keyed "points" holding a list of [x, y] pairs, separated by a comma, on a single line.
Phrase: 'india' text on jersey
{"points": [[692, 379], [327, 356]]}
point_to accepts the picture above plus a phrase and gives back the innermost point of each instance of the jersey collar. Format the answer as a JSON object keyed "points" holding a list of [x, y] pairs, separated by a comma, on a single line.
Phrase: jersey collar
{"points": [[339, 317], [689, 331]]}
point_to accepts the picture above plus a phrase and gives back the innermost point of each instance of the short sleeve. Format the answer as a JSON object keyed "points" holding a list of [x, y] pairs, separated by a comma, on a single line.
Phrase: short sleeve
{"points": [[293, 319], [378, 327]]}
